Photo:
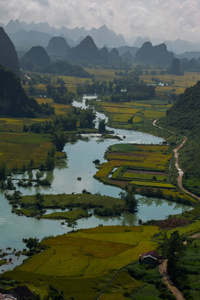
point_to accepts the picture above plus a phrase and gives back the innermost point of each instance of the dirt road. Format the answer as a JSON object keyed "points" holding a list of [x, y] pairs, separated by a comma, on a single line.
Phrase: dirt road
{"points": [[180, 171], [167, 281]]}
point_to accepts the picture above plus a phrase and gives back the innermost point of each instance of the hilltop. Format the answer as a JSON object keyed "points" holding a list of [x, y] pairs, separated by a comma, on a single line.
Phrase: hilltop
{"points": [[34, 58], [154, 55]]}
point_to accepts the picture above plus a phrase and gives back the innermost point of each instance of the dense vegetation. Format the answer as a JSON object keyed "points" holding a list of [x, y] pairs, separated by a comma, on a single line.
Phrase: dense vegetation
{"points": [[65, 68], [183, 116], [14, 101], [123, 89], [8, 54]]}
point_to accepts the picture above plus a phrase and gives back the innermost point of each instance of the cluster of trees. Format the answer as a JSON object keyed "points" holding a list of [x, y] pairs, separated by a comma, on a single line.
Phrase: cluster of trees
{"points": [[36, 79], [126, 88], [60, 93], [95, 87], [84, 118], [174, 249], [58, 125], [18, 104], [129, 197]]}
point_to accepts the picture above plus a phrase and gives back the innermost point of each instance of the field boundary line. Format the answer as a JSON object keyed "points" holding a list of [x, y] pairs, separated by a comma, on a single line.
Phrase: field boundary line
{"points": [[111, 280]]}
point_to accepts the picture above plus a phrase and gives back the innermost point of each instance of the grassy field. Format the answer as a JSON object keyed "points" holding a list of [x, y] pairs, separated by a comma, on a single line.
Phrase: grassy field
{"points": [[18, 149], [78, 205], [64, 200], [140, 164], [81, 263], [180, 83]]}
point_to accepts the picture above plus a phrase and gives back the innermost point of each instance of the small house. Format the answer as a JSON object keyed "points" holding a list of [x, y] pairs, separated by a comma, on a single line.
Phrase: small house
{"points": [[150, 258], [22, 293]]}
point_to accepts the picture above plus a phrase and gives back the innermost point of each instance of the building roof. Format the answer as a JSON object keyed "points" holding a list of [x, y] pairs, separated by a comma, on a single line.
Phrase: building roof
{"points": [[21, 292], [151, 253]]}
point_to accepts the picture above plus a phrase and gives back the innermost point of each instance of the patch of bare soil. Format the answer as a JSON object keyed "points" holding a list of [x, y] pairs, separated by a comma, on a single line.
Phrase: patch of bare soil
{"points": [[129, 154], [145, 172], [120, 183], [171, 223]]}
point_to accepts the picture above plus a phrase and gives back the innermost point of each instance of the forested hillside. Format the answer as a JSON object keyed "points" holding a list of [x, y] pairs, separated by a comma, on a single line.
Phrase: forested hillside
{"points": [[184, 117], [8, 54], [14, 101]]}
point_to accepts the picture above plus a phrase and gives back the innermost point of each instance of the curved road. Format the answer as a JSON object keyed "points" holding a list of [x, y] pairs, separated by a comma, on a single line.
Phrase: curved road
{"points": [[163, 271], [180, 171]]}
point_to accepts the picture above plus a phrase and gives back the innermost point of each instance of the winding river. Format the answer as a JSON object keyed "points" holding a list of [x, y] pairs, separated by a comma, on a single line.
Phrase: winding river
{"points": [[80, 155]]}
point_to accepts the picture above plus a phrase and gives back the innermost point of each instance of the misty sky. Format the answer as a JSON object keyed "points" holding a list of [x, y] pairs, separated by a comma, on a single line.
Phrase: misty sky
{"points": [[165, 19]]}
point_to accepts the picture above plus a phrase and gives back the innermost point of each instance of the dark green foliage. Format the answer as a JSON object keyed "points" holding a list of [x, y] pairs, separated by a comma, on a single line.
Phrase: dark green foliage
{"points": [[39, 201], [49, 164], [102, 126], [175, 67], [31, 244], [60, 93], [34, 58], [3, 171], [136, 271], [67, 69], [59, 140], [183, 116], [54, 294], [130, 200], [8, 54], [14, 101], [173, 247]]}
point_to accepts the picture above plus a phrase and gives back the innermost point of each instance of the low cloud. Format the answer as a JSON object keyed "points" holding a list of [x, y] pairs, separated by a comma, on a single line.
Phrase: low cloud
{"points": [[156, 18]]}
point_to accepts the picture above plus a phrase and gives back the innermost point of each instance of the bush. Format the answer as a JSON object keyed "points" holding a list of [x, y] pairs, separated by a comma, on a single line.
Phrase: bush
{"points": [[136, 271]]}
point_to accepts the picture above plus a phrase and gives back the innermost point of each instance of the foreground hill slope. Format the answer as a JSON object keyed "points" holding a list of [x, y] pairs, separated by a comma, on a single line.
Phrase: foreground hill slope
{"points": [[183, 117], [8, 54], [13, 99]]}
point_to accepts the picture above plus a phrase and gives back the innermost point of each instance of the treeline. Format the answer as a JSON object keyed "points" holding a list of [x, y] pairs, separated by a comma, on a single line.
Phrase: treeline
{"points": [[14, 101], [123, 89], [60, 93], [77, 117], [158, 193]]}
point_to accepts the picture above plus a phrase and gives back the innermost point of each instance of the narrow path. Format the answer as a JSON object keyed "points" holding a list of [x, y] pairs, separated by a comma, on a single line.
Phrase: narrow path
{"points": [[167, 281], [180, 171], [111, 280]]}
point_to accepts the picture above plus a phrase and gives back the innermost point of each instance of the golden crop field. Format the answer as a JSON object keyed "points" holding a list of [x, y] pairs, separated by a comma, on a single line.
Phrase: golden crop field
{"points": [[17, 149], [144, 165], [179, 85], [81, 263], [102, 74]]}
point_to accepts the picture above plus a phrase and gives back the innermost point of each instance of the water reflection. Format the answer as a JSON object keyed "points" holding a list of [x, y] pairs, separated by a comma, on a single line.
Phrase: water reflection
{"points": [[80, 155]]}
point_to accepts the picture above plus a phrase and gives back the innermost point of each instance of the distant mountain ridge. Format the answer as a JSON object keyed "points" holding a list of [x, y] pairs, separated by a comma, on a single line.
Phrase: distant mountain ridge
{"points": [[101, 36], [154, 55]]}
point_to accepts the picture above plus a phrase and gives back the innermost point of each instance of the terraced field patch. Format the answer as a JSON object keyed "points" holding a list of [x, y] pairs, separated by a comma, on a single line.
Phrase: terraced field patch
{"points": [[141, 165], [81, 263]]}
